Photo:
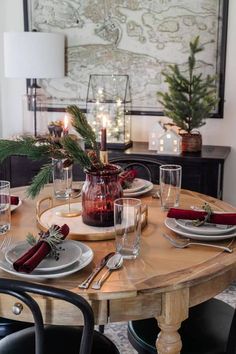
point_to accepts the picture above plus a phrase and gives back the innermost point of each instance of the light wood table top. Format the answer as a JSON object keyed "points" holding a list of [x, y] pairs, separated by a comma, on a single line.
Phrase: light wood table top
{"points": [[162, 282]]}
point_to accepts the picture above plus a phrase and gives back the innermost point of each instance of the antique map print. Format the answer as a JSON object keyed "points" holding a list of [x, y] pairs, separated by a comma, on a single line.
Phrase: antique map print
{"points": [[139, 38]]}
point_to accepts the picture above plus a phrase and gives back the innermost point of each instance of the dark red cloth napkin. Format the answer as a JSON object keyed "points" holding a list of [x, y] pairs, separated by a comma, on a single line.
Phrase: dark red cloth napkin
{"points": [[215, 218], [126, 178], [14, 200], [31, 259]]}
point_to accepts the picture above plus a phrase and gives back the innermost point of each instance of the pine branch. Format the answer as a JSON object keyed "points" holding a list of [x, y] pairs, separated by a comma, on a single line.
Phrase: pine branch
{"points": [[33, 148], [82, 127], [77, 153], [39, 181]]}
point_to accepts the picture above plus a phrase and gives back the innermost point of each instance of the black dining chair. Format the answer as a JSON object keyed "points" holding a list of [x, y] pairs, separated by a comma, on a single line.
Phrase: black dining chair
{"points": [[48, 339], [146, 168], [8, 326], [209, 329]]}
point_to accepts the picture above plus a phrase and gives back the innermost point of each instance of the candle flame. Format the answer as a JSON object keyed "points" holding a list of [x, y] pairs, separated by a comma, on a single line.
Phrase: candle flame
{"points": [[66, 122]]}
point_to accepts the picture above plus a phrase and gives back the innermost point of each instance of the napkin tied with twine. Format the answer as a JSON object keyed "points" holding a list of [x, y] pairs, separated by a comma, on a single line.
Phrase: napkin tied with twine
{"points": [[215, 218], [126, 178], [31, 259]]}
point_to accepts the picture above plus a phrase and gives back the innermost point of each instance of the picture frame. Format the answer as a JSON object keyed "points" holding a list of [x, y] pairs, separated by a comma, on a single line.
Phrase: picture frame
{"points": [[139, 39]]}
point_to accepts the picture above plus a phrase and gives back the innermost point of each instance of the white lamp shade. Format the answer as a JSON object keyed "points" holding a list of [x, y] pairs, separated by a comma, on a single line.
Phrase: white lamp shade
{"points": [[36, 55]]}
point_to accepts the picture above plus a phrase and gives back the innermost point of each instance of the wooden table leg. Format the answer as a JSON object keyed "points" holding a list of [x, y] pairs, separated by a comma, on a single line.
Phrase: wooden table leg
{"points": [[174, 311]]}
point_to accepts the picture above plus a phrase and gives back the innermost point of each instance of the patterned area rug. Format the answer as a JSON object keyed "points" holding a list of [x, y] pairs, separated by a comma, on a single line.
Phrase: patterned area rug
{"points": [[117, 332]]}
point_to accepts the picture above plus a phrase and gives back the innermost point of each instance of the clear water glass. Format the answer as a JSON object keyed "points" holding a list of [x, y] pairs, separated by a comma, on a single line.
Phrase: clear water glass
{"points": [[62, 179], [170, 185], [127, 222], [5, 207]]}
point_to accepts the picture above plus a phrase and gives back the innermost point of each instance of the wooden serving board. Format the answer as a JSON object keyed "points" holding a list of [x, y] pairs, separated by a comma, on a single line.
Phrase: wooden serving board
{"points": [[78, 230]]}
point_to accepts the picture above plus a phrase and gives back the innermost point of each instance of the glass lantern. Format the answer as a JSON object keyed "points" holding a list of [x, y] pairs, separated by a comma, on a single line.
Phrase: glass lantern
{"points": [[108, 105]]}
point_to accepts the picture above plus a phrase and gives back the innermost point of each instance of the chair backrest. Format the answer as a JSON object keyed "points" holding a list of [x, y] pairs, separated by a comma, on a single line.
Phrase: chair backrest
{"points": [[22, 290], [231, 345], [147, 168]]}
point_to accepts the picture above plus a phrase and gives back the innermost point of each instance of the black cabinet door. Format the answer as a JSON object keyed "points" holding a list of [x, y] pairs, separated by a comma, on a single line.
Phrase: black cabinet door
{"points": [[201, 172]]}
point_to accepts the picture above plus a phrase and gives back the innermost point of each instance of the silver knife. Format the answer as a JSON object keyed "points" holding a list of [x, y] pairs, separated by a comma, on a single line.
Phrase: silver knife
{"points": [[85, 284]]}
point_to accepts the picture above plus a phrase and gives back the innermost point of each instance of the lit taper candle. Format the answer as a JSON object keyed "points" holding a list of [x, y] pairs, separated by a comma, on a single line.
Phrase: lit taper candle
{"points": [[104, 134], [103, 151]]}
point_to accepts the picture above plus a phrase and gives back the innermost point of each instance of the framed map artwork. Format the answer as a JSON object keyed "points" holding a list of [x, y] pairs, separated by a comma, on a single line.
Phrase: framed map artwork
{"points": [[138, 38]]}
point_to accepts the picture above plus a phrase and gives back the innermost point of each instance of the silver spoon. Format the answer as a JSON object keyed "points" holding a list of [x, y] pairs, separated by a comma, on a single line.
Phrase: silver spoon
{"points": [[85, 284], [183, 243], [114, 263]]}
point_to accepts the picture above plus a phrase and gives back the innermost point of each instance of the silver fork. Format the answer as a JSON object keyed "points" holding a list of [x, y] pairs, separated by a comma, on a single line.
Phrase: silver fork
{"points": [[5, 244], [183, 243]]}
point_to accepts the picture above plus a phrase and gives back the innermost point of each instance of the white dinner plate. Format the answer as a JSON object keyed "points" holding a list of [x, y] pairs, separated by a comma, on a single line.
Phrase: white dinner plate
{"points": [[137, 184], [205, 229], [69, 254], [147, 188], [13, 207], [171, 224], [85, 259]]}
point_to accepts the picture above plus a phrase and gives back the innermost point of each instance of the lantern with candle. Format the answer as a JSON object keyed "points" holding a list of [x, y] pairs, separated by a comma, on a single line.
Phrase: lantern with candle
{"points": [[109, 98]]}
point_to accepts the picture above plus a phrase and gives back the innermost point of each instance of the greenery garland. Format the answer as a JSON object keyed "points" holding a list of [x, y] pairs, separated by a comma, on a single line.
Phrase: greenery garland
{"points": [[66, 148]]}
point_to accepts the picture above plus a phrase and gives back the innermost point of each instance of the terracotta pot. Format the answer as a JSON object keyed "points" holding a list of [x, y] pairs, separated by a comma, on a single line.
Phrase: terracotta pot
{"points": [[191, 142]]}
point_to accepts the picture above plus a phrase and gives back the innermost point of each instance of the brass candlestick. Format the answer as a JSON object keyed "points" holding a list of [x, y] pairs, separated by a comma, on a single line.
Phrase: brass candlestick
{"points": [[104, 157], [70, 213]]}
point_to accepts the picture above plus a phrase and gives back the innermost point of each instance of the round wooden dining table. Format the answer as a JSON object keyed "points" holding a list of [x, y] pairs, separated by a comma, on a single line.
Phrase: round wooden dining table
{"points": [[163, 282]]}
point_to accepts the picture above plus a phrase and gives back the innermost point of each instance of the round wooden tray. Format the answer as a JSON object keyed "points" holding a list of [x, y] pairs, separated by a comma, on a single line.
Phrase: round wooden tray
{"points": [[78, 230]]}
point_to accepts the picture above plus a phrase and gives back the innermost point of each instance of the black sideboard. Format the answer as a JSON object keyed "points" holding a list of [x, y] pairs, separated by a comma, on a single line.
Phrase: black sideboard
{"points": [[202, 172]]}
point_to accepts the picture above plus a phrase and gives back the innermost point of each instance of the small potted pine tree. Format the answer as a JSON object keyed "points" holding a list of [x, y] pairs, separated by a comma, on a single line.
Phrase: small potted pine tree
{"points": [[190, 99]]}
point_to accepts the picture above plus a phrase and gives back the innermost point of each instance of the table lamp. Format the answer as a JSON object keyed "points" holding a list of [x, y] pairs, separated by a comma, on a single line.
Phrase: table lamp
{"points": [[34, 55]]}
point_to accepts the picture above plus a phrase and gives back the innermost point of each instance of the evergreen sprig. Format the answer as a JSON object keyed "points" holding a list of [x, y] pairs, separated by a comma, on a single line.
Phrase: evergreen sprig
{"points": [[76, 152], [66, 148], [23, 146], [82, 127], [190, 98], [34, 148], [43, 177]]}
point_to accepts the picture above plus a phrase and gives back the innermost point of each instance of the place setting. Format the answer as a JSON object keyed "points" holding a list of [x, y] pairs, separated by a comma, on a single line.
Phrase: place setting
{"points": [[203, 224], [133, 186], [15, 201], [51, 256]]}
